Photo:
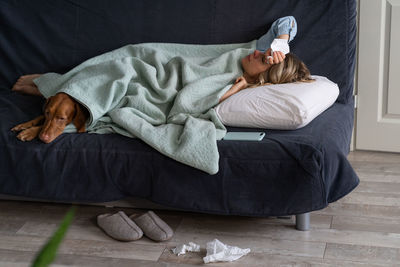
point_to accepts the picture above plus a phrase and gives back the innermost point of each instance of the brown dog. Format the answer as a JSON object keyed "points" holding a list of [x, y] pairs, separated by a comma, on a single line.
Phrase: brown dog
{"points": [[59, 111]]}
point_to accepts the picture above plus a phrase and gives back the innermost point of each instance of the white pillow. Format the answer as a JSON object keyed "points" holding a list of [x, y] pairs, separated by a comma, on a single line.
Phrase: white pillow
{"points": [[278, 106]]}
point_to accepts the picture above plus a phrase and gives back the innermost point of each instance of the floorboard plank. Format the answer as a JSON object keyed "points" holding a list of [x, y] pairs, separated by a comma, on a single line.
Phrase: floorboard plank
{"points": [[372, 199], [190, 227], [361, 210], [265, 260], [11, 258], [369, 224], [371, 254], [116, 249]]}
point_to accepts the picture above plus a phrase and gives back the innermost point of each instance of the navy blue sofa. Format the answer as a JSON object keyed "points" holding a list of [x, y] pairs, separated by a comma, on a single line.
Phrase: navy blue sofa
{"points": [[289, 172]]}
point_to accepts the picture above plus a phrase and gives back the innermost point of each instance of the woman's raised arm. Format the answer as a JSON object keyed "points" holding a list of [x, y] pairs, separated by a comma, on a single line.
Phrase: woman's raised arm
{"points": [[282, 28]]}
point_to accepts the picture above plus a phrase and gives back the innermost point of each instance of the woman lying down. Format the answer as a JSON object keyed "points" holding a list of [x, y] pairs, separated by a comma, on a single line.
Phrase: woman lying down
{"points": [[164, 93]]}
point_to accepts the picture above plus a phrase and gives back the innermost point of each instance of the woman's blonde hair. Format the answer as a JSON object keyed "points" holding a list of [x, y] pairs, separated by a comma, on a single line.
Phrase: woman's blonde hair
{"points": [[290, 70]]}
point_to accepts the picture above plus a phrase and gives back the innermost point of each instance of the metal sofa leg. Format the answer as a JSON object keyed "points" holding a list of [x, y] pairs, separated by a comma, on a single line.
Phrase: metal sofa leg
{"points": [[303, 221]]}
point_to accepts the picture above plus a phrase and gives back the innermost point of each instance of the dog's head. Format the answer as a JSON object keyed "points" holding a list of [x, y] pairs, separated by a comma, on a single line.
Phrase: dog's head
{"points": [[59, 111]]}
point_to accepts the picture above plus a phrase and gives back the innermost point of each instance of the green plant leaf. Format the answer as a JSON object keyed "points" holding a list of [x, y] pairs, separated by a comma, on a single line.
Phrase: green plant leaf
{"points": [[48, 253]]}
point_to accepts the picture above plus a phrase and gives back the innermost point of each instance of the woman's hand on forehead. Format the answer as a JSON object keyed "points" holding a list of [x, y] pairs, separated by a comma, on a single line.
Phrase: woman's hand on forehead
{"points": [[276, 57]]}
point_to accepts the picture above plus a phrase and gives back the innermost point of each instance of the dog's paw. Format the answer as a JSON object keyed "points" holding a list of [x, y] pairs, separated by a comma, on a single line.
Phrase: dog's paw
{"points": [[22, 126], [29, 134]]}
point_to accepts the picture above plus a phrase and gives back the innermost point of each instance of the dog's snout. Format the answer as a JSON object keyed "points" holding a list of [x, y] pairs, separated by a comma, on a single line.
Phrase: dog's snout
{"points": [[44, 137]]}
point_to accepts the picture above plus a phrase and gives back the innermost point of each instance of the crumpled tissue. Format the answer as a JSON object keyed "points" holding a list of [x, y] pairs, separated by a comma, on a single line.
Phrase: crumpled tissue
{"points": [[218, 251], [181, 249], [280, 45]]}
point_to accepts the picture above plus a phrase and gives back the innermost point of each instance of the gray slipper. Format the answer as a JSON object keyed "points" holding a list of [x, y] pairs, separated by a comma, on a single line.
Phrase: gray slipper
{"points": [[119, 226], [153, 226]]}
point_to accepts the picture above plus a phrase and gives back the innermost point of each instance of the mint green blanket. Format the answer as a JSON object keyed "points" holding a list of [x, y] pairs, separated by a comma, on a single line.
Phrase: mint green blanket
{"points": [[162, 93]]}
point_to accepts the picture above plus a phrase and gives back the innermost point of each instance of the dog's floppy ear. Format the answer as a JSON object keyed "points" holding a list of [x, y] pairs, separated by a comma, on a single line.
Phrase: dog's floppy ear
{"points": [[45, 104], [80, 118]]}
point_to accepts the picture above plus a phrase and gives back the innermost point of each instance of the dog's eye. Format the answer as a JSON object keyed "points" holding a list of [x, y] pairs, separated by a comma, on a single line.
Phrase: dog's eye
{"points": [[60, 118]]}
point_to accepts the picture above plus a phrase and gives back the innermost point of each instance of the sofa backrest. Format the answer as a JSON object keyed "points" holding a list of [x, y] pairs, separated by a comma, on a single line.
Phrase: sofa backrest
{"points": [[42, 35]]}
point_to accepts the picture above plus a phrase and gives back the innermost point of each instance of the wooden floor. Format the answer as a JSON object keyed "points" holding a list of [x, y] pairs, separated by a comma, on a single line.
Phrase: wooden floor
{"points": [[362, 229]]}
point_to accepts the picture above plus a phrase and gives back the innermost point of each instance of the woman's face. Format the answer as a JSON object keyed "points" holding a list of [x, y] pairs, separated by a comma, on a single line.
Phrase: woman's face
{"points": [[255, 63]]}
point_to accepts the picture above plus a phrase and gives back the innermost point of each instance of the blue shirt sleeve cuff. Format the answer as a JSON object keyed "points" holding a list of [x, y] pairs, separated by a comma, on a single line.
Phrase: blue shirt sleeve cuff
{"points": [[286, 25]]}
